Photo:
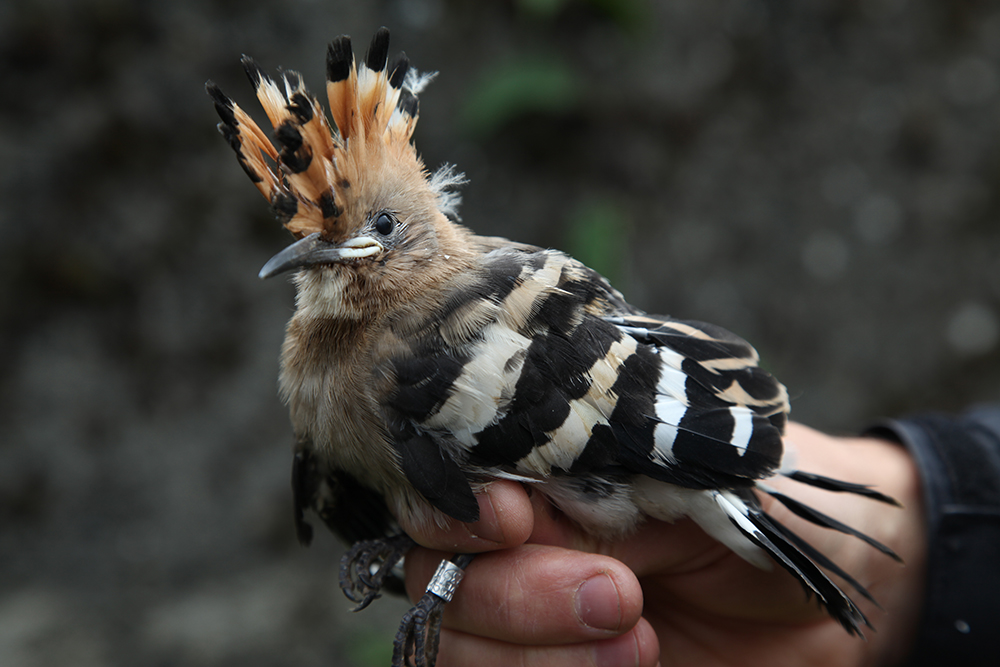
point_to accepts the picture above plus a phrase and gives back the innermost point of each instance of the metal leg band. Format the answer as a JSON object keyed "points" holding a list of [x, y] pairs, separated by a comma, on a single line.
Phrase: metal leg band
{"points": [[445, 580]]}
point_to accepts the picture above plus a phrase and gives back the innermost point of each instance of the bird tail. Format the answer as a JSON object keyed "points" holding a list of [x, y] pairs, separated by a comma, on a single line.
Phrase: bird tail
{"points": [[800, 558], [307, 173]]}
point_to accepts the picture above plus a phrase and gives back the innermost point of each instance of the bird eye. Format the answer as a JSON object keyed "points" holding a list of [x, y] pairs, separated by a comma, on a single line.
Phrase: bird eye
{"points": [[383, 224]]}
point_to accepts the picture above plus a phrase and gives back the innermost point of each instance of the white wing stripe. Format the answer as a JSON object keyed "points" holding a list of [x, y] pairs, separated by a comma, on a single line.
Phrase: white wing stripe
{"points": [[742, 428]]}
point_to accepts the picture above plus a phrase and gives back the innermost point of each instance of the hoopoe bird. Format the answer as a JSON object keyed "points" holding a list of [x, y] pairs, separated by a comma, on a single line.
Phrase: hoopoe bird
{"points": [[423, 361]]}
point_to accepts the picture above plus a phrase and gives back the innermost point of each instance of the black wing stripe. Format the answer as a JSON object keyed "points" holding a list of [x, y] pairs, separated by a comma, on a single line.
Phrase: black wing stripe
{"points": [[787, 549], [820, 519], [653, 410], [556, 374], [715, 424], [437, 477], [717, 359], [837, 485], [443, 349], [823, 561], [424, 383]]}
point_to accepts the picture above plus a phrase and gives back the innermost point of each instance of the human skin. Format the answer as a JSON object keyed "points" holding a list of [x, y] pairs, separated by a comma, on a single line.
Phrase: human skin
{"points": [[545, 593]]}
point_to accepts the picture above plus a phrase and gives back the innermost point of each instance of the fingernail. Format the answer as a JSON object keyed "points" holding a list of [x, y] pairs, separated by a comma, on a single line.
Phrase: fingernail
{"points": [[488, 526], [597, 603], [618, 652]]}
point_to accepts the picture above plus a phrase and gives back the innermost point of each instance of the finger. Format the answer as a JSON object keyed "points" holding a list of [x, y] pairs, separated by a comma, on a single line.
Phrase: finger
{"points": [[680, 561], [505, 520], [637, 648], [654, 547], [537, 595]]}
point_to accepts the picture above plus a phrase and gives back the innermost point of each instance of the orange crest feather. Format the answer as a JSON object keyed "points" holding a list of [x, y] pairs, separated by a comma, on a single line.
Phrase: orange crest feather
{"points": [[308, 181]]}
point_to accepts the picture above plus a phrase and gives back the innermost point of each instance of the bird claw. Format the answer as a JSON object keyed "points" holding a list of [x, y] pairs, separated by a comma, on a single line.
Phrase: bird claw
{"points": [[363, 573], [416, 643], [364, 569]]}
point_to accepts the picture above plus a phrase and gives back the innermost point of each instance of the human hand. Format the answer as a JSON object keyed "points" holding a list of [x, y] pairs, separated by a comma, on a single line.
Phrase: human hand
{"points": [[545, 593]]}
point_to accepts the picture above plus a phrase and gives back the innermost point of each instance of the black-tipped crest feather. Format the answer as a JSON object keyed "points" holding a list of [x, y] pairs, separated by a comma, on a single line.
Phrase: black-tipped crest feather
{"points": [[400, 65], [378, 51], [223, 105], [305, 167], [339, 59], [408, 103], [253, 71], [301, 107]]}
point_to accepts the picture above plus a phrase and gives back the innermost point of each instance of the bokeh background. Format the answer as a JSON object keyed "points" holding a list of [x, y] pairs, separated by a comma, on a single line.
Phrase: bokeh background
{"points": [[820, 176]]}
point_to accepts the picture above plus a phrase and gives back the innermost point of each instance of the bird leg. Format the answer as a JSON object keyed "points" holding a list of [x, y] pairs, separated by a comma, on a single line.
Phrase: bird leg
{"points": [[364, 569], [420, 630]]}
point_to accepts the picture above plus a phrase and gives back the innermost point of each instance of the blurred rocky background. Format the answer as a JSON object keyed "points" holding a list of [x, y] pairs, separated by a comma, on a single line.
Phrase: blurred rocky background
{"points": [[821, 176]]}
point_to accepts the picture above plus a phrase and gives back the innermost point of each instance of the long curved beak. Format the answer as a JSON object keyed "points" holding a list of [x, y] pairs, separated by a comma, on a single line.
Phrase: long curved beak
{"points": [[312, 250]]}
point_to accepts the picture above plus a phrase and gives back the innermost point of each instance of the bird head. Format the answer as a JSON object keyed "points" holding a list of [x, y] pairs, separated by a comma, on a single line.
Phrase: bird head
{"points": [[370, 222]]}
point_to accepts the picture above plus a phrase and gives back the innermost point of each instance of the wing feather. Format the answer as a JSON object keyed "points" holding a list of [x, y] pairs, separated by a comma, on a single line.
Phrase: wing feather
{"points": [[540, 369]]}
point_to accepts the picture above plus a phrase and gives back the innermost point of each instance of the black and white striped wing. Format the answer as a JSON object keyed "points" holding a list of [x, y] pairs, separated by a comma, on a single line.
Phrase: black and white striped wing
{"points": [[712, 418], [542, 369]]}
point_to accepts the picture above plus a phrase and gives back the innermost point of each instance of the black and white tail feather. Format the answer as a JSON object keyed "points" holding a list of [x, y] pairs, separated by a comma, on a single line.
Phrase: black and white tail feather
{"points": [[516, 362]]}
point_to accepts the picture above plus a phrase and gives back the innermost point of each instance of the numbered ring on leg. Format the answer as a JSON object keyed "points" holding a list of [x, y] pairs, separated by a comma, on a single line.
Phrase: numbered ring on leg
{"points": [[445, 580]]}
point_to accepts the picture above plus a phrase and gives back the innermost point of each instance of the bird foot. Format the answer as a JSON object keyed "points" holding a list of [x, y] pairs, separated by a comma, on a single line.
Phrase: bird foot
{"points": [[364, 569], [416, 643]]}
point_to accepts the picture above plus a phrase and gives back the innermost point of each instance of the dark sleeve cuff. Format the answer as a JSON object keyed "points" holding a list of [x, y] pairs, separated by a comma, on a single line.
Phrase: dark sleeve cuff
{"points": [[959, 462]]}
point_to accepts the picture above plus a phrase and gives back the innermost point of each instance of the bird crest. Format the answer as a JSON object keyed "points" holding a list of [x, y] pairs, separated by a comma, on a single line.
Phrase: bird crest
{"points": [[315, 176]]}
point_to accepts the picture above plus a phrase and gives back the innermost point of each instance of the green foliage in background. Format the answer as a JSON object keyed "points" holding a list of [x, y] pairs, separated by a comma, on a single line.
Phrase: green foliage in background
{"points": [[533, 84], [598, 233], [539, 83], [370, 650]]}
